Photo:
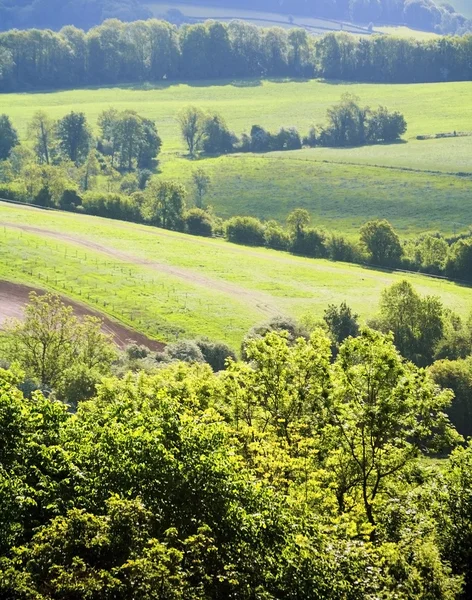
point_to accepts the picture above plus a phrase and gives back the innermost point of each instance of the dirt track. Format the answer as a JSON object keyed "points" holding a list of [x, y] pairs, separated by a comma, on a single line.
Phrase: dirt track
{"points": [[14, 296], [259, 300]]}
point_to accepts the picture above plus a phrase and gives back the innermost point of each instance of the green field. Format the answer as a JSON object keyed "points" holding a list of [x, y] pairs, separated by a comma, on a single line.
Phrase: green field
{"points": [[167, 284], [341, 187], [263, 19]]}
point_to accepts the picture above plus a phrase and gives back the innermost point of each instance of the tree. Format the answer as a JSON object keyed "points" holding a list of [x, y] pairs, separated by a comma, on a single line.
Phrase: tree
{"points": [[456, 375], [74, 137], [298, 220], [198, 222], [164, 204], [385, 126], [341, 322], [8, 137], [217, 138], [51, 339], [202, 183], [150, 145], [192, 123], [41, 130], [417, 323], [89, 171], [381, 241], [384, 412]]}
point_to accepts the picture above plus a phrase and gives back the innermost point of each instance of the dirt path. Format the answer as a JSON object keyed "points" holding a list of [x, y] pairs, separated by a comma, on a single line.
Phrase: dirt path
{"points": [[259, 300], [14, 296]]}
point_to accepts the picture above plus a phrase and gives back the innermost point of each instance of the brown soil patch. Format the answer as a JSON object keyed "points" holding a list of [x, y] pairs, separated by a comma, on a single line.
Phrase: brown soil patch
{"points": [[14, 296]]}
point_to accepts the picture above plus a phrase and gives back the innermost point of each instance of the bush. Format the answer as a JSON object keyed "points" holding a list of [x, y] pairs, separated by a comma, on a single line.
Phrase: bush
{"points": [[216, 354], [198, 222], [185, 351], [342, 249], [70, 200], [14, 191], [280, 323], [112, 206], [245, 230], [309, 242], [276, 237]]}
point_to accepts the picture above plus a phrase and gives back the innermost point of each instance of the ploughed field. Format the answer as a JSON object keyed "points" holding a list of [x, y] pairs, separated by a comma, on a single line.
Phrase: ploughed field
{"points": [[168, 285], [417, 185]]}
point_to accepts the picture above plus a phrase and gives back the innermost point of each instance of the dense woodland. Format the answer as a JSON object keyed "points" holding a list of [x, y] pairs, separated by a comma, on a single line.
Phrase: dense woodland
{"points": [[301, 471], [54, 14], [156, 51]]}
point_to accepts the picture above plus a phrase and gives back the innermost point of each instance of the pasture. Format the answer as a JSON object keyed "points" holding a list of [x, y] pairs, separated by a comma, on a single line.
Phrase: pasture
{"points": [[340, 187], [169, 285], [263, 19]]}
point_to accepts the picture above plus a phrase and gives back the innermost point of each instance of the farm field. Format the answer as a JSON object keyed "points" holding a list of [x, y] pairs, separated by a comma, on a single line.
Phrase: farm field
{"points": [[265, 19], [341, 187], [169, 285]]}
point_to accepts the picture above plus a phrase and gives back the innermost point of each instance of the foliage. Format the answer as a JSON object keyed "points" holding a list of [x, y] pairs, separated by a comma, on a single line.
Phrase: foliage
{"points": [[164, 204], [341, 322], [198, 222], [245, 230], [8, 137], [74, 137], [417, 323], [51, 343], [382, 242], [456, 375], [152, 50]]}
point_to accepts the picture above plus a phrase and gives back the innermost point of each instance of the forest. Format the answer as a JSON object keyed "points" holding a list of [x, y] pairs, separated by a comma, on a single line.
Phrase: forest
{"points": [[308, 469], [152, 50]]}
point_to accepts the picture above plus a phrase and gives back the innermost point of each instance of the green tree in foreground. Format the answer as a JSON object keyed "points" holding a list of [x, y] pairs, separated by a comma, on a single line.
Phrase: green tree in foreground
{"points": [[41, 130], [341, 322], [51, 344]]}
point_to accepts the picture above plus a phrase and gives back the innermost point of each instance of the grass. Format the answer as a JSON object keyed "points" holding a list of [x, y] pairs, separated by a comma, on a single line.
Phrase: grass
{"points": [[406, 32], [220, 290], [339, 196], [341, 187], [261, 18]]}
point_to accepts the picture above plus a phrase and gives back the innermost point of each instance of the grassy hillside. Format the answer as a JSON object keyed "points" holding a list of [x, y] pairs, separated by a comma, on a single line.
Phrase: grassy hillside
{"points": [[342, 187], [167, 284], [263, 19]]}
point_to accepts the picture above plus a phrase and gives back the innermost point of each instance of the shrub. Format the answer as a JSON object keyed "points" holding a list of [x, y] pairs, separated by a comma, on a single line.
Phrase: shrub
{"points": [[113, 206], [245, 230], [216, 353], [184, 350], [280, 323], [70, 200], [198, 222], [309, 242], [276, 237]]}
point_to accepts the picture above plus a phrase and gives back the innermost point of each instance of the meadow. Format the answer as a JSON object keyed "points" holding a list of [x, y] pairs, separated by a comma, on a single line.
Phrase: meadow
{"points": [[341, 187], [170, 285], [263, 19]]}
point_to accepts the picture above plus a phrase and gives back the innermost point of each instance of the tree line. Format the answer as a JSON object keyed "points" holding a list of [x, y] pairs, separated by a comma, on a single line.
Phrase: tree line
{"points": [[288, 474], [348, 124], [153, 51]]}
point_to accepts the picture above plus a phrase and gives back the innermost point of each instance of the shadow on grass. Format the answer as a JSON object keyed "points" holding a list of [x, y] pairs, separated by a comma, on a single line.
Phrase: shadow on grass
{"points": [[144, 86]]}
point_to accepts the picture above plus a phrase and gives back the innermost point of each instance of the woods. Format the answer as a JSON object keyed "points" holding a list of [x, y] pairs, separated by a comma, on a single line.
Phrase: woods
{"points": [[153, 51], [287, 473]]}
